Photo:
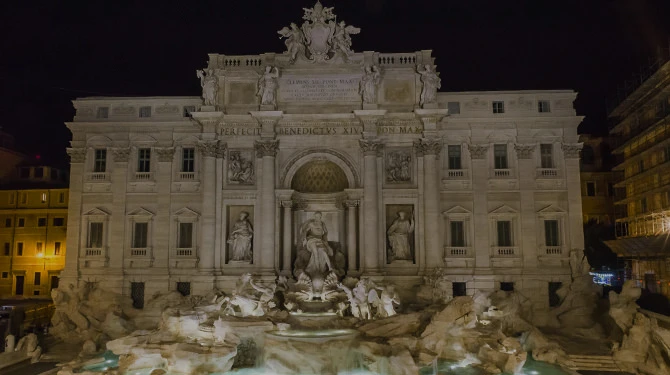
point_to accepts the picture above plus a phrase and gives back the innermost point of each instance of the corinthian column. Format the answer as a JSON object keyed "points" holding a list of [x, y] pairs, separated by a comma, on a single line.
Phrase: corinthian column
{"points": [[351, 235], [267, 150], [371, 148], [429, 148], [287, 205], [206, 251]]}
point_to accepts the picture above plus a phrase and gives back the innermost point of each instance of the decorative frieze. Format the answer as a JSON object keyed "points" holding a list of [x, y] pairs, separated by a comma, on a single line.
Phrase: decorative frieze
{"points": [[428, 146], [121, 154], [371, 146], [524, 151], [77, 155], [571, 150], [478, 151], [266, 148], [165, 154], [208, 148]]}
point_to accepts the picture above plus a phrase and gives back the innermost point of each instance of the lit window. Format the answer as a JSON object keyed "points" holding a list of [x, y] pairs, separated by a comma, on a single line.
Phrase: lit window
{"points": [[39, 249], [56, 248], [498, 107], [543, 106], [145, 111], [103, 112], [144, 160], [454, 153], [546, 156], [100, 161], [188, 160], [44, 197], [500, 156]]}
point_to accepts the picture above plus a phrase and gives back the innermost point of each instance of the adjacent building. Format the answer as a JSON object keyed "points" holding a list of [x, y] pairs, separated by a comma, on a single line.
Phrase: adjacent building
{"points": [[170, 193], [598, 180], [642, 125]]}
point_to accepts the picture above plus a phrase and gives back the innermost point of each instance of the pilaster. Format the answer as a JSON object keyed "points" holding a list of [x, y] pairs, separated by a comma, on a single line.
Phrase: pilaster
{"points": [[70, 274], [117, 233], [266, 150], [430, 148], [573, 186], [371, 149], [480, 177], [528, 241], [208, 150], [161, 243]]}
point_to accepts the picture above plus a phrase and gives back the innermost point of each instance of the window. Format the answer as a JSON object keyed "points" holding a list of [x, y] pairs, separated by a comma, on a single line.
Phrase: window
{"points": [[498, 107], [58, 222], [504, 233], [454, 108], [137, 295], [44, 197], [454, 153], [36, 292], [145, 111], [184, 288], [8, 223], [103, 112], [24, 197], [39, 172], [554, 298], [7, 249], [500, 156], [61, 198], [458, 289], [507, 286], [640, 166], [543, 106], [188, 159], [24, 172], [546, 156], [457, 233], [185, 240], [56, 248], [100, 160], [551, 233], [94, 235], [144, 160], [140, 233], [11, 198], [42, 222], [39, 249], [21, 223], [38, 278], [591, 189], [188, 109], [19, 248], [643, 205], [5, 275]]}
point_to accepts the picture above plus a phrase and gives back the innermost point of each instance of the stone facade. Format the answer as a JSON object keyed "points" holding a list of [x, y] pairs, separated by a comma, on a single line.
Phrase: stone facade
{"points": [[158, 194]]}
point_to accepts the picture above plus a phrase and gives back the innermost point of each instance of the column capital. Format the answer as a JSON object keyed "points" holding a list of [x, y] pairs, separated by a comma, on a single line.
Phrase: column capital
{"points": [[524, 151], [300, 204], [287, 204], [221, 150], [428, 146], [571, 150], [351, 203], [478, 151], [77, 155], [165, 154], [266, 148], [371, 146], [208, 148], [121, 154]]}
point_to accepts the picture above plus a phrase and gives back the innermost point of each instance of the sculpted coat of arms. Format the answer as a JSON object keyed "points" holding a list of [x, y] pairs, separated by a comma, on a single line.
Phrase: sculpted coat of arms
{"points": [[320, 37]]}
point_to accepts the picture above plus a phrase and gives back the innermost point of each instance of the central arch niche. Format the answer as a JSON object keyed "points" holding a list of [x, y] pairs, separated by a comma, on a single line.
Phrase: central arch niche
{"points": [[319, 177]]}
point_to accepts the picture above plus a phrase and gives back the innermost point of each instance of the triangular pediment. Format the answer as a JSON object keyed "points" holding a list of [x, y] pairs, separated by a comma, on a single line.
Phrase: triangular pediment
{"points": [[96, 212], [551, 209], [456, 210], [504, 209], [141, 212], [186, 212]]}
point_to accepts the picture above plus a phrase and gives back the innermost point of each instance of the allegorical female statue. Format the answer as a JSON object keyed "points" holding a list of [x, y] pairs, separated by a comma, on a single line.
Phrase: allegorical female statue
{"points": [[240, 238], [267, 86], [369, 83], [210, 86], [399, 237], [431, 83]]}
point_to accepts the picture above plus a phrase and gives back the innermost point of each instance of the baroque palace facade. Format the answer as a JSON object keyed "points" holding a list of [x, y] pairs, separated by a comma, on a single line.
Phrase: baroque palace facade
{"points": [[188, 193]]}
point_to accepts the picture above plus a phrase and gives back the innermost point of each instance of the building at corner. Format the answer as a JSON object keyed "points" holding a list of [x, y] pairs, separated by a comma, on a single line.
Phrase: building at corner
{"points": [[189, 193]]}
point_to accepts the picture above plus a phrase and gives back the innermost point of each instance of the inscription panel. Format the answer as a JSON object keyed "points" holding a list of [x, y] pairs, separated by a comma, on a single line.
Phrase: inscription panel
{"points": [[326, 88]]}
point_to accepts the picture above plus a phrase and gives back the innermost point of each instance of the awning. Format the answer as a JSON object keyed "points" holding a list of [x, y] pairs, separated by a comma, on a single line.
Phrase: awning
{"points": [[647, 246]]}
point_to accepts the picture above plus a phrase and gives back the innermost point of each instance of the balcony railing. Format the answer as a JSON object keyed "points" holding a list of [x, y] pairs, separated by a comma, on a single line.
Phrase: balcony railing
{"points": [[93, 252], [97, 176], [502, 173], [139, 252], [457, 174], [397, 59], [504, 251], [185, 252], [144, 176], [547, 172], [456, 252], [186, 176], [553, 250]]}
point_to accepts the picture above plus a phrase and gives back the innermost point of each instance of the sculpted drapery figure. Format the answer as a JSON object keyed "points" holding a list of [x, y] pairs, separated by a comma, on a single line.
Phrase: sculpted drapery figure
{"points": [[399, 236], [210, 86], [431, 83], [369, 83], [295, 40], [267, 86], [314, 238], [240, 238]]}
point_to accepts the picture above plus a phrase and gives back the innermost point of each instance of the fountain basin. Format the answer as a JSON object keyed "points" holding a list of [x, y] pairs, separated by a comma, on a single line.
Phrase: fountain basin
{"points": [[317, 336]]}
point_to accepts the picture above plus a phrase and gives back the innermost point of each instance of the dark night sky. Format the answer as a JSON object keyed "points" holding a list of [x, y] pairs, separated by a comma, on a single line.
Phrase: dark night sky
{"points": [[54, 51]]}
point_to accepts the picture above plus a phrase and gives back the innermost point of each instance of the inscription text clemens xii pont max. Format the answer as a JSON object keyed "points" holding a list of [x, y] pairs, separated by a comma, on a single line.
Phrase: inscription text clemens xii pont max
{"points": [[322, 89]]}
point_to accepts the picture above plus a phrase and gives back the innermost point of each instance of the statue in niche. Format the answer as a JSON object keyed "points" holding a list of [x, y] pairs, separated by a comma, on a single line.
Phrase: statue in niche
{"points": [[431, 83], [210, 86], [398, 167], [240, 239], [369, 83], [399, 237], [267, 86], [295, 41], [240, 169]]}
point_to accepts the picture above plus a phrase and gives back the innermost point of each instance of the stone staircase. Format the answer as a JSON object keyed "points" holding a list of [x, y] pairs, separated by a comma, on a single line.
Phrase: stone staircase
{"points": [[585, 362]]}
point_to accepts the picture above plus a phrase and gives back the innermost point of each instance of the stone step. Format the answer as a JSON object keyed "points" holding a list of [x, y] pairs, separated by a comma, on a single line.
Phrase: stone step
{"points": [[603, 363]]}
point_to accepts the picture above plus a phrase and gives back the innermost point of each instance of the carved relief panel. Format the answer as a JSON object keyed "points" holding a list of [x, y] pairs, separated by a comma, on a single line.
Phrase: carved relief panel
{"points": [[240, 234], [400, 241], [241, 168], [398, 166]]}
